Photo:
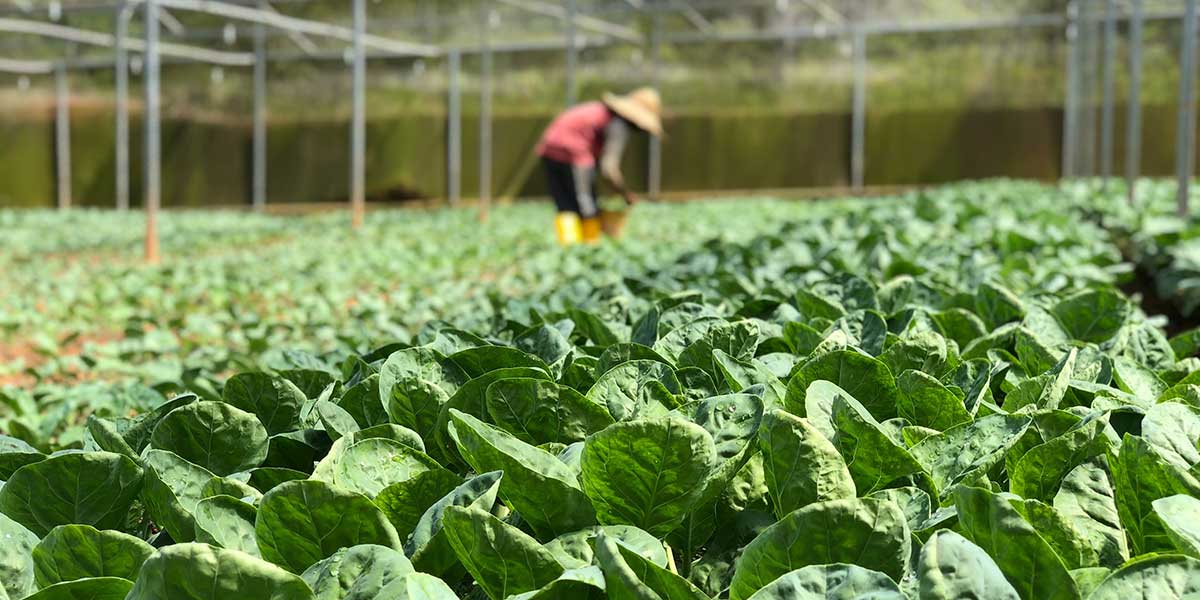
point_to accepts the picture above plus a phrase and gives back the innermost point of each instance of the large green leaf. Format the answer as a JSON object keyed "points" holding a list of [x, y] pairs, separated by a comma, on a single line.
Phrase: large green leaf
{"points": [[213, 435], [545, 342], [1093, 315], [1042, 469], [502, 559], [873, 457], [801, 466], [1180, 516], [638, 388], [831, 582], [302, 522], [924, 401], [952, 567], [997, 305], [172, 490], [866, 379], [538, 411], [915, 503], [71, 552], [475, 362], [740, 375], [1046, 391], [202, 572], [15, 453], [585, 583], [1070, 543], [1141, 476], [737, 340], [471, 398], [334, 420], [90, 588], [1026, 559], [362, 402], [370, 465], [427, 545], [542, 489], [416, 403], [647, 473], [417, 586], [732, 420], [276, 401], [628, 574], [575, 550], [1086, 499], [964, 451], [1174, 429], [357, 573], [867, 532], [226, 522], [16, 560], [404, 502], [89, 488], [1168, 577]]}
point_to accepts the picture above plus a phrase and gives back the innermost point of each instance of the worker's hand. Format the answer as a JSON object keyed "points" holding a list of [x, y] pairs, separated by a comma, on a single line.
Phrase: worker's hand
{"points": [[630, 198]]}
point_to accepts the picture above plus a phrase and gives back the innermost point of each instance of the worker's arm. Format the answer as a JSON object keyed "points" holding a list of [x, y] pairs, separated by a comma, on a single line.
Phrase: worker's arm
{"points": [[616, 137]]}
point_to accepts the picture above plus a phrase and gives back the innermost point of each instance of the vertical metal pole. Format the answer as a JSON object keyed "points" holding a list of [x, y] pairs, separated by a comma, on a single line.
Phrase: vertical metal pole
{"points": [[1185, 137], [358, 125], [454, 130], [152, 146], [1071, 101], [654, 175], [1133, 135], [259, 184], [485, 114], [121, 74], [572, 53], [62, 135], [1085, 151], [859, 119], [1106, 115]]}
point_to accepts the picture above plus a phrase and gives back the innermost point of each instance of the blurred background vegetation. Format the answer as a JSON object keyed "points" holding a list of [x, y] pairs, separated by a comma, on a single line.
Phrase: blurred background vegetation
{"points": [[930, 91]]}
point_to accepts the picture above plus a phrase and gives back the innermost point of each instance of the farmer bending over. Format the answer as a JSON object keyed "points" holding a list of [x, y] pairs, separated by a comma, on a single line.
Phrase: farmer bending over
{"points": [[582, 137]]}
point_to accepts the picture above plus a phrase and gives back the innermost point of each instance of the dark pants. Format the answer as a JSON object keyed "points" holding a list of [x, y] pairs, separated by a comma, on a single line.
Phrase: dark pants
{"points": [[566, 182]]}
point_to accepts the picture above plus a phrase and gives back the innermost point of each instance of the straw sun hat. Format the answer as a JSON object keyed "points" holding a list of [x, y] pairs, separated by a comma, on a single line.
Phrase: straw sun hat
{"points": [[642, 107]]}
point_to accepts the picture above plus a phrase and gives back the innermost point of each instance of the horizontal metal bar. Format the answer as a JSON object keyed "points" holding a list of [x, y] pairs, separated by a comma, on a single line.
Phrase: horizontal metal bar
{"points": [[107, 40], [296, 25], [26, 67], [581, 21], [890, 28]]}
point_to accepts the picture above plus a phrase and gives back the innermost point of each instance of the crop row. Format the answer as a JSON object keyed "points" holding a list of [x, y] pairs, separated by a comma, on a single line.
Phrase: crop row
{"points": [[941, 397]]}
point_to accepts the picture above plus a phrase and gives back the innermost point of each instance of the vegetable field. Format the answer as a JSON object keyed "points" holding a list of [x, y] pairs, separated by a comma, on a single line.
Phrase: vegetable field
{"points": [[956, 393]]}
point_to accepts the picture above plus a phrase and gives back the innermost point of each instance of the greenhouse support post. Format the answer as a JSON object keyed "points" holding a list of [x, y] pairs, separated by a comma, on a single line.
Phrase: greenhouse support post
{"points": [[1185, 136], [1088, 66], [654, 169], [572, 52], [358, 122], [121, 91], [454, 129], [62, 135], [259, 176], [1106, 115], [485, 114], [1071, 99], [1133, 135], [153, 158], [858, 124]]}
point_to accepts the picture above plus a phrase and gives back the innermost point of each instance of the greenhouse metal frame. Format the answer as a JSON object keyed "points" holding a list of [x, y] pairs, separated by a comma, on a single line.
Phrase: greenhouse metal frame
{"points": [[580, 31]]}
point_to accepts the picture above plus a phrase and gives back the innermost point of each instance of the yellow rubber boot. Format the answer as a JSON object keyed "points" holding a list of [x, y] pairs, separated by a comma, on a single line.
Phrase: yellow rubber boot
{"points": [[568, 228], [591, 230]]}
